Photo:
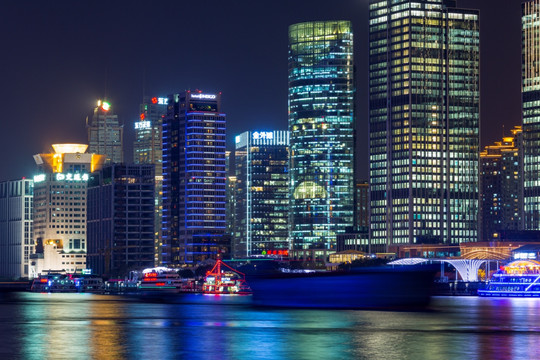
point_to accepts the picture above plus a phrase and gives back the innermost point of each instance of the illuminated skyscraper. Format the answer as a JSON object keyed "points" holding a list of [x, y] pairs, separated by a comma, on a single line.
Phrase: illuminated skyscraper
{"points": [[530, 94], [147, 144], [321, 125], [60, 208], [501, 187], [424, 110], [105, 134], [194, 179], [261, 193], [147, 149]]}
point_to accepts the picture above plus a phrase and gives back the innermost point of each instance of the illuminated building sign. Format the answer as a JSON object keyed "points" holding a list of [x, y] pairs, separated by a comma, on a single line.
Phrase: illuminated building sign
{"points": [[203, 96], [74, 177], [60, 177], [39, 178], [275, 252], [139, 125], [263, 135], [160, 100], [237, 139]]}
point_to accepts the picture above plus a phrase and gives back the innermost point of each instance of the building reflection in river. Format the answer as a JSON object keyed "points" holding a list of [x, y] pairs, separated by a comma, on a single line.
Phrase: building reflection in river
{"points": [[85, 326]]}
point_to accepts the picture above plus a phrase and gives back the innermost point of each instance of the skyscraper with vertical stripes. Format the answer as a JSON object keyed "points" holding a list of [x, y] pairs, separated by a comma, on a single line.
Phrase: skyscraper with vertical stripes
{"points": [[194, 179], [530, 94], [424, 112]]}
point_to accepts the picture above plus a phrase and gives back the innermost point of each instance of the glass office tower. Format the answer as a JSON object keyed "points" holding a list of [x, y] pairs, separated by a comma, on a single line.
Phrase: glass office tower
{"points": [[321, 125], [530, 92], [424, 110], [261, 194]]}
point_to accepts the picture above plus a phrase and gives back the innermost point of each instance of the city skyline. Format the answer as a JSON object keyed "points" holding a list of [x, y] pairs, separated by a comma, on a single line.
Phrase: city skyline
{"points": [[78, 63]]}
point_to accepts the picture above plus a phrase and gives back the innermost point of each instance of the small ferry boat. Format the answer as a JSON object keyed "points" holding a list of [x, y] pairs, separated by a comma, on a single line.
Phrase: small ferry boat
{"points": [[54, 283], [519, 278], [223, 279], [63, 283], [160, 279], [89, 284]]}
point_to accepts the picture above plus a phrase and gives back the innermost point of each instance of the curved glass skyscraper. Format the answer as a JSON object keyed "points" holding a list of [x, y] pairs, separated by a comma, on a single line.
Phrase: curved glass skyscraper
{"points": [[321, 125]]}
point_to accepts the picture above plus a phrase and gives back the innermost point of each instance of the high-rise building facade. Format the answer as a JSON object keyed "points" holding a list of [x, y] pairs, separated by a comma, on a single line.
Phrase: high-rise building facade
{"points": [[424, 110], [530, 93], [148, 132], [261, 194], [501, 187], [321, 126], [362, 205], [105, 133], [194, 179], [230, 193], [60, 208], [16, 238], [147, 149], [120, 219]]}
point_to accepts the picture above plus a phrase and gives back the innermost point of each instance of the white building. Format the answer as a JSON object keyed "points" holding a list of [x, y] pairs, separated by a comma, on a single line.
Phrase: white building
{"points": [[16, 242], [60, 208]]}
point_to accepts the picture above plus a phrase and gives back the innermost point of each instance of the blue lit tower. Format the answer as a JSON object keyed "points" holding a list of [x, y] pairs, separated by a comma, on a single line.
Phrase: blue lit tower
{"points": [[194, 179], [530, 93], [321, 125], [424, 112]]}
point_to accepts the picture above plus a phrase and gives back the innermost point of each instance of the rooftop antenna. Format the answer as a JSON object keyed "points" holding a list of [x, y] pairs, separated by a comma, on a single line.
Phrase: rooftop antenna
{"points": [[105, 85], [144, 83]]}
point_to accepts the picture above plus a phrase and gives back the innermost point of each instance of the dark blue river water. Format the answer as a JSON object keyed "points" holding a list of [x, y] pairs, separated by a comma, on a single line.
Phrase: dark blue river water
{"points": [[85, 326]]}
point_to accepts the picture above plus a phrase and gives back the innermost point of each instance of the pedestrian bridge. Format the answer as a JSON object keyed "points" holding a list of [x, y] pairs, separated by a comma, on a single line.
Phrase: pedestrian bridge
{"points": [[466, 268]]}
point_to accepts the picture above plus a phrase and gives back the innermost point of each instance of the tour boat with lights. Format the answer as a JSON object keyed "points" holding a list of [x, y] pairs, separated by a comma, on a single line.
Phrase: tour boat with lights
{"points": [[223, 280], [160, 280], [54, 283], [62, 283], [519, 278]]}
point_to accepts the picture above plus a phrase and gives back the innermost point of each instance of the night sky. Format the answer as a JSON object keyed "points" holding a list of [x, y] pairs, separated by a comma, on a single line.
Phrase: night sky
{"points": [[59, 57]]}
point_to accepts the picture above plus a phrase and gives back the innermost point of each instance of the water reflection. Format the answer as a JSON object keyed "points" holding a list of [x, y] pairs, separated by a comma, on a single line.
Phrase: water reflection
{"points": [[107, 334], [83, 326]]}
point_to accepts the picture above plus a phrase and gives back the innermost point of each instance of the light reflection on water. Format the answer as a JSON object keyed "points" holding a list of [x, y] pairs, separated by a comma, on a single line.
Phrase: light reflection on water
{"points": [[84, 326]]}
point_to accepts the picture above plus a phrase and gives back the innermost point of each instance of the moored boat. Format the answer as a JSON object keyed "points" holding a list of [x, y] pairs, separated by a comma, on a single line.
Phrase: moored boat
{"points": [[223, 279], [385, 288], [519, 278], [89, 284], [54, 283], [161, 280]]}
